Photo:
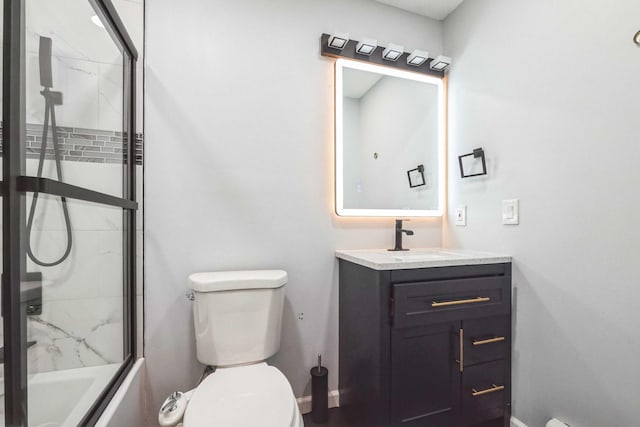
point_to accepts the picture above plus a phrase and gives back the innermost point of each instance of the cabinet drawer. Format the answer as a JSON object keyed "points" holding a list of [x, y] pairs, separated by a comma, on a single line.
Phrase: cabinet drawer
{"points": [[485, 339], [421, 303], [484, 391]]}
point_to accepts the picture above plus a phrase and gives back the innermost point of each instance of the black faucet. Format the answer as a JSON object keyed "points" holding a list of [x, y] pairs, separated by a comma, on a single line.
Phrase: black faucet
{"points": [[399, 231]]}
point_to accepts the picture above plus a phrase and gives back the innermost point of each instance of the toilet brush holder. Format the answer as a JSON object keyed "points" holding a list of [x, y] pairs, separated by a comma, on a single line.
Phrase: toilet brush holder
{"points": [[319, 393]]}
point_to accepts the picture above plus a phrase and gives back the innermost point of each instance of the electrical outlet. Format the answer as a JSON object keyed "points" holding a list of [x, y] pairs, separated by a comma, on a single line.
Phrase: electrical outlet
{"points": [[510, 212], [461, 216]]}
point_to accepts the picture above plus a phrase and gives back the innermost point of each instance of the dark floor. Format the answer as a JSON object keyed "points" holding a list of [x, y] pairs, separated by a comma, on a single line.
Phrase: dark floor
{"points": [[335, 420]]}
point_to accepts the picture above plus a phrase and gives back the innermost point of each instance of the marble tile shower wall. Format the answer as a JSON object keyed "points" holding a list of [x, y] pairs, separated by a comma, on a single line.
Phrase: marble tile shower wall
{"points": [[81, 320]]}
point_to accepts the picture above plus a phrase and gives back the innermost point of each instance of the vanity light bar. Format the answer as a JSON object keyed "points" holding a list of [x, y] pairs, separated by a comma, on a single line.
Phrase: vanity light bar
{"points": [[440, 63], [393, 52], [339, 45], [338, 40], [366, 46], [417, 58]]}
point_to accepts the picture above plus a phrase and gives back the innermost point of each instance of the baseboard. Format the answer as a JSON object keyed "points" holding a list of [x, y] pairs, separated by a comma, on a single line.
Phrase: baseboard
{"points": [[304, 403], [517, 423]]}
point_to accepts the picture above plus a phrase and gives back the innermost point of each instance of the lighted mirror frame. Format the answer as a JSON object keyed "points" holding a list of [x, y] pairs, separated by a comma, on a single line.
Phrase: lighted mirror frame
{"points": [[339, 143]]}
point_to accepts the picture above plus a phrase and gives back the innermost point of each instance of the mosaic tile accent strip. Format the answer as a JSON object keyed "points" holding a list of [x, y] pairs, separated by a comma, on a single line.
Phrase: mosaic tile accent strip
{"points": [[81, 145]]}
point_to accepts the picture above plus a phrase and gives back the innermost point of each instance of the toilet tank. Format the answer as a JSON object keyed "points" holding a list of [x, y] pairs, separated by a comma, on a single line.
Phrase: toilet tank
{"points": [[237, 315]]}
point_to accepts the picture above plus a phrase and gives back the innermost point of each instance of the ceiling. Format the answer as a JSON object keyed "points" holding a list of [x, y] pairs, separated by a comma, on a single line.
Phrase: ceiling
{"points": [[435, 9]]}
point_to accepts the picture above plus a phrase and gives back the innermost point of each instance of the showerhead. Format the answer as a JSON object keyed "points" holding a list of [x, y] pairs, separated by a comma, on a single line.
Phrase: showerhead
{"points": [[46, 77]]}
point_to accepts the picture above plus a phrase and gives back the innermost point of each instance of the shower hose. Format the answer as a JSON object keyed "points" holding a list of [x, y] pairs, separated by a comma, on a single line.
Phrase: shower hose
{"points": [[49, 110]]}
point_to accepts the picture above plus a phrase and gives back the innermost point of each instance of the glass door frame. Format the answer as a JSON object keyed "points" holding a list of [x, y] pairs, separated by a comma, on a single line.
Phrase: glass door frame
{"points": [[15, 185]]}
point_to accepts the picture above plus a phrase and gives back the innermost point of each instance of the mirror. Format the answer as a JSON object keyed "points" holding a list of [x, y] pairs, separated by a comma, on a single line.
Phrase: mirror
{"points": [[390, 149]]}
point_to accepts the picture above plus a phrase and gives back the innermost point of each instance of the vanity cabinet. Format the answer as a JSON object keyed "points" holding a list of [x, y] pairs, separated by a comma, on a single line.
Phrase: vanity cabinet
{"points": [[425, 347]]}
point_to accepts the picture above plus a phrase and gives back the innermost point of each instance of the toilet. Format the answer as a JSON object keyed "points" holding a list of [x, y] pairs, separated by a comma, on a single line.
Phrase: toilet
{"points": [[238, 318]]}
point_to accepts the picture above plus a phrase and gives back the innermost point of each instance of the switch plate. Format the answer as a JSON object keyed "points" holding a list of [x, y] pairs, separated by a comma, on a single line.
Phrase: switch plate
{"points": [[461, 215], [510, 212]]}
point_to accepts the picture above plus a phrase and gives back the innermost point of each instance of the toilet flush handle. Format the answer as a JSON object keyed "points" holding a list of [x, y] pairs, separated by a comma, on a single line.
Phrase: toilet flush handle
{"points": [[190, 296]]}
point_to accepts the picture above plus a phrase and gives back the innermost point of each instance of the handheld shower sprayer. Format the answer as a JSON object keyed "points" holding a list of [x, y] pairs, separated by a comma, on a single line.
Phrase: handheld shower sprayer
{"points": [[44, 60], [51, 99]]}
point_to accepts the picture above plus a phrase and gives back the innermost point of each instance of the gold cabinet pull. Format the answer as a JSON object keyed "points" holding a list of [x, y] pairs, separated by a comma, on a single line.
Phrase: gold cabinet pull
{"points": [[460, 301], [487, 391], [488, 341]]}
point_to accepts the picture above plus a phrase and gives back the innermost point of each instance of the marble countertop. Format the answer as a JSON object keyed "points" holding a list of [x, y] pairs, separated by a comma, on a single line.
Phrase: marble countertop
{"points": [[381, 259]]}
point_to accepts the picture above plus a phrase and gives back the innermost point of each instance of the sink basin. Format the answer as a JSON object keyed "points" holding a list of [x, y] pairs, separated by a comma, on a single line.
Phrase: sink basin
{"points": [[422, 255]]}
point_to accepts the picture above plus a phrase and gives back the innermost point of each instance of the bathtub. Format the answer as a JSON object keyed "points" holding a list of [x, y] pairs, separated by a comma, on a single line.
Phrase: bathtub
{"points": [[62, 398]]}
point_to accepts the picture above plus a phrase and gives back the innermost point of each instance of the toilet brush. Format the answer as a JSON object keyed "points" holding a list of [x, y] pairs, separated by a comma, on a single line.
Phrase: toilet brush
{"points": [[319, 393]]}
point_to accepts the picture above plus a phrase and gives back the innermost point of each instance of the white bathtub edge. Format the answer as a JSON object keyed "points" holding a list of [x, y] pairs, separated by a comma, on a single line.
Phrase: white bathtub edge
{"points": [[517, 423], [113, 408]]}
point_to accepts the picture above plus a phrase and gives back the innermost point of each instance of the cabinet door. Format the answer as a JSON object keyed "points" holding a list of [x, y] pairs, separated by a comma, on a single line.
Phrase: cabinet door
{"points": [[425, 379]]}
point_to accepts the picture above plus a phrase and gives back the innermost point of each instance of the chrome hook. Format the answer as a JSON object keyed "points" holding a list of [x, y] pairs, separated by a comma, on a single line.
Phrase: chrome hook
{"points": [[636, 38]]}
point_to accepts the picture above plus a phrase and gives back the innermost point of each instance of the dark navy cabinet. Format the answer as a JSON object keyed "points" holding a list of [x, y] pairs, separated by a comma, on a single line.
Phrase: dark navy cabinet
{"points": [[425, 347]]}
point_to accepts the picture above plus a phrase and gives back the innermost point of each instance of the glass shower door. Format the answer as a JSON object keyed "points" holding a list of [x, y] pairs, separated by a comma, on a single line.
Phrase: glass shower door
{"points": [[70, 207]]}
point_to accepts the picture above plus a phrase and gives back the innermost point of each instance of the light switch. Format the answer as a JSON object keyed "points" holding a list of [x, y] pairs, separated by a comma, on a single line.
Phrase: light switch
{"points": [[461, 216], [510, 212]]}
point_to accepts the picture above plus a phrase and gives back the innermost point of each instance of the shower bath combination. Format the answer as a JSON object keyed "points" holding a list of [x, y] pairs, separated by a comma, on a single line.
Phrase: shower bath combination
{"points": [[51, 100]]}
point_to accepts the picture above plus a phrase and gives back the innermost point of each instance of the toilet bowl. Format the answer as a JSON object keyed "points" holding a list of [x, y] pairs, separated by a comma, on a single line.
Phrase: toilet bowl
{"points": [[252, 395], [237, 317]]}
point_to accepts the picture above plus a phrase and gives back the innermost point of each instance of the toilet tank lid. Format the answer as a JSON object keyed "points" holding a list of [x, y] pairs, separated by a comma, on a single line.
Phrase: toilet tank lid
{"points": [[217, 281]]}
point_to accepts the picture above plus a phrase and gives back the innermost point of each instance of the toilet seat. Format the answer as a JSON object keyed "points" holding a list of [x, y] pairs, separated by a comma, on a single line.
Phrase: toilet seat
{"points": [[244, 396]]}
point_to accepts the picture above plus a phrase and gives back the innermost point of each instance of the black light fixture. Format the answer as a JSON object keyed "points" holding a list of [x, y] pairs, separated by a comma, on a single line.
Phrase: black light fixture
{"points": [[366, 46], [393, 52], [478, 153], [338, 40], [417, 58], [440, 63], [339, 45]]}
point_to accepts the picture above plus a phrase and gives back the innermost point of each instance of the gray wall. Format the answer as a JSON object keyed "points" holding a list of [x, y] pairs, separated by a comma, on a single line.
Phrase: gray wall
{"points": [[239, 167], [550, 90]]}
